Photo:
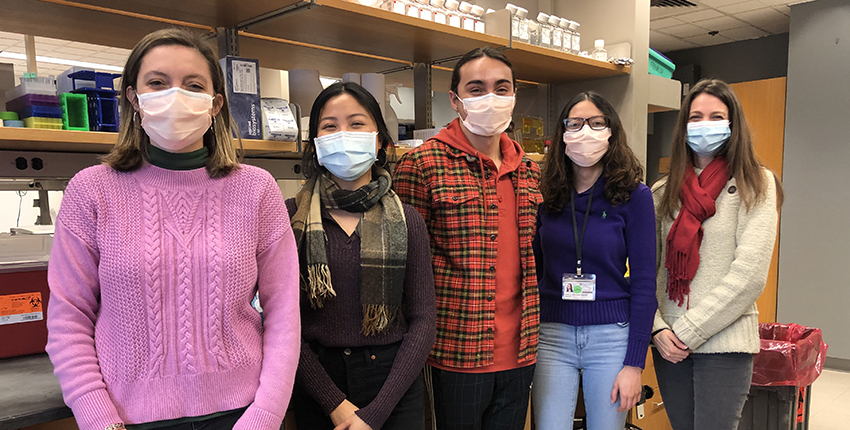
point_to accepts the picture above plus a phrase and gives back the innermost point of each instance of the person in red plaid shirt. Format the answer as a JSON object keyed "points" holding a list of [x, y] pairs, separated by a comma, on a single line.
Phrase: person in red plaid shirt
{"points": [[478, 193]]}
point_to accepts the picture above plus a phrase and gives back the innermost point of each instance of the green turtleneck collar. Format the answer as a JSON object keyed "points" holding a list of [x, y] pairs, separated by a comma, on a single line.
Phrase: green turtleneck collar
{"points": [[178, 161]]}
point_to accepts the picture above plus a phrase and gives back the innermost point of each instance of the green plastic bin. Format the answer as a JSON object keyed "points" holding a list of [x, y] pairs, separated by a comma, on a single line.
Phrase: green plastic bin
{"points": [[660, 65], [75, 111]]}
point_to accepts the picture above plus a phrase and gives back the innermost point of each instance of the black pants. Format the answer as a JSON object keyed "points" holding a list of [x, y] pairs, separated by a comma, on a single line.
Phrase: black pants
{"points": [[704, 391], [224, 422], [360, 377], [482, 401]]}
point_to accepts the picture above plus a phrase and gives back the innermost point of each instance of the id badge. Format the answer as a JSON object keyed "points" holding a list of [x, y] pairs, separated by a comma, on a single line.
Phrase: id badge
{"points": [[578, 287]]}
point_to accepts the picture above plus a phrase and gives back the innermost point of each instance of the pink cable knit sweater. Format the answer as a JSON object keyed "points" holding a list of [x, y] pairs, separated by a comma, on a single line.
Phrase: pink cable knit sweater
{"points": [[151, 278]]}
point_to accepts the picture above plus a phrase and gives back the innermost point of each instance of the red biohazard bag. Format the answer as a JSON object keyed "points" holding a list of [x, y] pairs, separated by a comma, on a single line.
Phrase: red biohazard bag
{"points": [[791, 355]]}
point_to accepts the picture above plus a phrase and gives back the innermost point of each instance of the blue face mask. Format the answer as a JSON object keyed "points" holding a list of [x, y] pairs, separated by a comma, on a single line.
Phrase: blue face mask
{"points": [[348, 155], [706, 137]]}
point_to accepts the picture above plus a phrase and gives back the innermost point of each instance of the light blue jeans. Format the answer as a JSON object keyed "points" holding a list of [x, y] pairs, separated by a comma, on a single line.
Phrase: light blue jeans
{"points": [[598, 352]]}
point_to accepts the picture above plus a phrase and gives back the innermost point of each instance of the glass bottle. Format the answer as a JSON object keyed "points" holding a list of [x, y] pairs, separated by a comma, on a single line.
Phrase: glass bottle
{"points": [[576, 45], [599, 52], [439, 12], [522, 13], [453, 16], [557, 33], [545, 30], [514, 20], [533, 33], [425, 11], [397, 6], [412, 9], [567, 43], [478, 13]]}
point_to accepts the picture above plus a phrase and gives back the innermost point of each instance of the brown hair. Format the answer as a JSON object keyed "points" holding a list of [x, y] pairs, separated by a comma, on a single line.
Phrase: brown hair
{"points": [[622, 170], [130, 152], [738, 150]]}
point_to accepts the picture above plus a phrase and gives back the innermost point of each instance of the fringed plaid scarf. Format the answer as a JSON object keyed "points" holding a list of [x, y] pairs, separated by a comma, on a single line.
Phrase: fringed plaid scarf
{"points": [[383, 245]]}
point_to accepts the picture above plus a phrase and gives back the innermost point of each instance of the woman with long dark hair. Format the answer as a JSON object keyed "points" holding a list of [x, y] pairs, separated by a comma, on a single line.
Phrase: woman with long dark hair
{"points": [[367, 301], [595, 216], [717, 217]]}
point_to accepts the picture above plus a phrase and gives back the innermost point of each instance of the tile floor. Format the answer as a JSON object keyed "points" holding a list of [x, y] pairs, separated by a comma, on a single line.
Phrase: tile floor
{"points": [[830, 408]]}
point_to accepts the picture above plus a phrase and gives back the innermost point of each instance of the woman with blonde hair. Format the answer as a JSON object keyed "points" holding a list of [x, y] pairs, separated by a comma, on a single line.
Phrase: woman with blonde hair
{"points": [[717, 217], [157, 255]]}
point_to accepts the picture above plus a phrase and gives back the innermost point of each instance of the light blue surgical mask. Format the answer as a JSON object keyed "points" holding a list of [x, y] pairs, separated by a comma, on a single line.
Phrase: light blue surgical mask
{"points": [[706, 137], [348, 155]]}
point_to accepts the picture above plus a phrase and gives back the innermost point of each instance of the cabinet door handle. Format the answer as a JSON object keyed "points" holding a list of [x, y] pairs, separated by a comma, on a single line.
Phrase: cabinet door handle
{"points": [[659, 404]]}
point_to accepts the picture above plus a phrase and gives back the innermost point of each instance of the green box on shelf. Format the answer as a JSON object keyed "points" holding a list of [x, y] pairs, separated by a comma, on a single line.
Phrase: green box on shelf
{"points": [[660, 65], [75, 111]]}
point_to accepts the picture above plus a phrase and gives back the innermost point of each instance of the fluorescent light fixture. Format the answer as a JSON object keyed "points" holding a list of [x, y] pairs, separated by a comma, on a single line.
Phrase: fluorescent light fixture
{"points": [[52, 60], [326, 82]]}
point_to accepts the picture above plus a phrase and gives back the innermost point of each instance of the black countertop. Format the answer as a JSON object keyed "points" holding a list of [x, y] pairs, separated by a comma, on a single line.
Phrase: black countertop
{"points": [[29, 392]]}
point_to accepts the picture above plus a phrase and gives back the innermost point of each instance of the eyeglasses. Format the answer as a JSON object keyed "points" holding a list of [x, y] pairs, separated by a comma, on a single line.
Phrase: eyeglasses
{"points": [[595, 122]]}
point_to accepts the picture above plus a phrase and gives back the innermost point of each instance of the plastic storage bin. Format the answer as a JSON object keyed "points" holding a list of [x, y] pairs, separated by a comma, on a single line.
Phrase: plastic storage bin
{"points": [[20, 103], [38, 122], [33, 85], [75, 112], [102, 99], [41, 111], [660, 65]]}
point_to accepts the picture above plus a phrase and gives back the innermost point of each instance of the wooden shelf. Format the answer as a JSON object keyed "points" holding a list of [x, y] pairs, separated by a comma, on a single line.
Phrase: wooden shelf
{"points": [[543, 65], [354, 27], [33, 139]]}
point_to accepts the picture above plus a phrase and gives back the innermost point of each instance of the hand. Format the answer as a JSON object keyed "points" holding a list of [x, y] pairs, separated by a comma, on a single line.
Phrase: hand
{"points": [[670, 347], [627, 386], [353, 423], [342, 412]]}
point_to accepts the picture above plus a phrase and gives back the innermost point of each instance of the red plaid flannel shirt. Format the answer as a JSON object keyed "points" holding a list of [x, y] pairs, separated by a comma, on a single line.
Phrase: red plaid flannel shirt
{"points": [[445, 185]]}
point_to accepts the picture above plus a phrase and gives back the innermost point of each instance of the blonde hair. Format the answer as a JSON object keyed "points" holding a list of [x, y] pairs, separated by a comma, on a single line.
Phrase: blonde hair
{"points": [[130, 152], [738, 150]]}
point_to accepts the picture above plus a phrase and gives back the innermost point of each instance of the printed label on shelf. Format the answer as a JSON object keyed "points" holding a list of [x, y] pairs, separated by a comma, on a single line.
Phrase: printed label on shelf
{"points": [[19, 308], [244, 77]]}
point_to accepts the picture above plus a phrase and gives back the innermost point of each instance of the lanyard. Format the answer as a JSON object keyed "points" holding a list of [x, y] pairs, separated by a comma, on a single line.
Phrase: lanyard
{"points": [[580, 240]]}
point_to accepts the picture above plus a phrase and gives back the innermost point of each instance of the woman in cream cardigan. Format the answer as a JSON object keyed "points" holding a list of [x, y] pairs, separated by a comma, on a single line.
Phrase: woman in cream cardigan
{"points": [[717, 218]]}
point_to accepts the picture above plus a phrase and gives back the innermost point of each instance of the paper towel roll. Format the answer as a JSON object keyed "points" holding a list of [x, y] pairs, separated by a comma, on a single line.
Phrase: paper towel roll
{"points": [[304, 87], [374, 83], [351, 77]]}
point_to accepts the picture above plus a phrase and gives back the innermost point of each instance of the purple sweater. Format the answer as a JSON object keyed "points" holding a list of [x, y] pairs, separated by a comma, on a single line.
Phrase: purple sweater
{"points": [[614, 233], [151, 278], [338, 323]]}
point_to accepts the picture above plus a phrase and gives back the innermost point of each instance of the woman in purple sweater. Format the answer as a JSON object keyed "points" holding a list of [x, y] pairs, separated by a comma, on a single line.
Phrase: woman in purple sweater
{"points": [[367, 302], [157, 255], [595, 216]]}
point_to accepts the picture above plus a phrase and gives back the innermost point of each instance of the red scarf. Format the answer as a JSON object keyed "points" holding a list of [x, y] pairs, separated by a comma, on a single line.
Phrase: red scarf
{"points": [[683, 242]]}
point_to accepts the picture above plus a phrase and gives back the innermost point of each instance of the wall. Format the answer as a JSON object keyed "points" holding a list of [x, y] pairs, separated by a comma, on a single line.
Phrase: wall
{"points": [[814, 246], [747, 60]]}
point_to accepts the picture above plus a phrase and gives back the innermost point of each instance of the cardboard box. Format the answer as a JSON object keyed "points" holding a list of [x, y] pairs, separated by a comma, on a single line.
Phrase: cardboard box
{"points": [[242, 80]]}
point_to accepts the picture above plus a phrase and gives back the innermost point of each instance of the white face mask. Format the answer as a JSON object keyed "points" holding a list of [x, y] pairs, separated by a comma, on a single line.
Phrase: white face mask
{"points": [[587, 146], [488, 115], [348, 155], [175, 118]]}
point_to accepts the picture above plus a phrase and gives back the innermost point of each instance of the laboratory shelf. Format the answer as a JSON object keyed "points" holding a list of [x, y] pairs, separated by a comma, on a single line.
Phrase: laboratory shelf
{"points": [[30, 139]]}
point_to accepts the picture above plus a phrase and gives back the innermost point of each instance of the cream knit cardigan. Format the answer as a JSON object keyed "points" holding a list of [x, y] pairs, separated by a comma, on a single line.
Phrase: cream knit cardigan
{"points": [[720, 314]]}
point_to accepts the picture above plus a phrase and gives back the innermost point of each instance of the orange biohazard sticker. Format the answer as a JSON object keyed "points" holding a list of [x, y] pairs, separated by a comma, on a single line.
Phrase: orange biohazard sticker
{"points": [[20, 308]]}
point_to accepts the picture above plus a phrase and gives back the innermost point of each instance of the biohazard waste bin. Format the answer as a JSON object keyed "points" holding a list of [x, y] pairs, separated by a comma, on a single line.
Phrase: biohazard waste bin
{"points": [[790, 359]]}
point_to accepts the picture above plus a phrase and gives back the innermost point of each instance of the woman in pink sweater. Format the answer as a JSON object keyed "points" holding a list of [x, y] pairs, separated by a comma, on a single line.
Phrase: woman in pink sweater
{"points": [[157, 255]]}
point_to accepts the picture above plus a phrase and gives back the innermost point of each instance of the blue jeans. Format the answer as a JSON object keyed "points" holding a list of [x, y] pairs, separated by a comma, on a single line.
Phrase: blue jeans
{"points": [[598, 352]]}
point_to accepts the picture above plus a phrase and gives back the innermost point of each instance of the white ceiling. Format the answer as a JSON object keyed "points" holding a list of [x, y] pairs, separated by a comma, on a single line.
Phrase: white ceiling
{"points": [[674, 28]]}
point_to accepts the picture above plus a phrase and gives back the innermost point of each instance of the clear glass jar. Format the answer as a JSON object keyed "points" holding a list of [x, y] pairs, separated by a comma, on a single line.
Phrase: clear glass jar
{"points": [[557, 33], [534, 33], [576, 45], [599, 52], [567, 43], [545, 30]]}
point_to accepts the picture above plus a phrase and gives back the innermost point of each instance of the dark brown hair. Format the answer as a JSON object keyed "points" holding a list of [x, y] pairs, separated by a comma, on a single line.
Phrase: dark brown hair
{"points": [[130, 152], [620, 167], [738, 150], [476, 54]]}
